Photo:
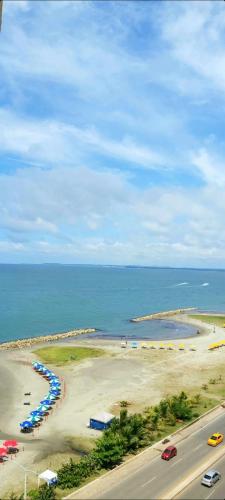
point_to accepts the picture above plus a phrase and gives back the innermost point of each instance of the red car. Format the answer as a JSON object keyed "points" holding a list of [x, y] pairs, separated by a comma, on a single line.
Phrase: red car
{"points": [[169, 453]]}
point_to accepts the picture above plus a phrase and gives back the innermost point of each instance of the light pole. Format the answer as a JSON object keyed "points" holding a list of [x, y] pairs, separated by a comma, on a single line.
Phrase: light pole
{"points": [[25, 477]]}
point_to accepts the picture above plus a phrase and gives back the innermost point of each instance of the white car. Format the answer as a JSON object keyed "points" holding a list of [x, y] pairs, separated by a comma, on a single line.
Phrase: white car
{"points": [[210, 478]]}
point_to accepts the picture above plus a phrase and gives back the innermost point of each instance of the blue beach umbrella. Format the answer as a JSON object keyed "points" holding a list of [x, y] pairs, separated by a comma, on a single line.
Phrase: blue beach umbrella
{"points": [[34, 420], [52, 397], [55, 384], [55, 391], [40, 366], [36, 413], [46, 402], [43, 408], [26, 423], [49, 400], [36, 365]]}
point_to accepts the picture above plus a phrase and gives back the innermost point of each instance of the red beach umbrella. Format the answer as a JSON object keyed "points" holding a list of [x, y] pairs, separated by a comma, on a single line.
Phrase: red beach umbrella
{"points": [[11, 443], [3, 452]]}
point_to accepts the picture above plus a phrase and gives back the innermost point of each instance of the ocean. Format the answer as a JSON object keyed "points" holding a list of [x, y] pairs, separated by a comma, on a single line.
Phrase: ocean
{"points": [[42, 299]]}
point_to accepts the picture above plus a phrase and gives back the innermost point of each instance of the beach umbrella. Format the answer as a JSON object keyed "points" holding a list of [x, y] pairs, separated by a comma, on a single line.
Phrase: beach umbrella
{"points": [[40, 366], [36, 413], [3, 452], [26, 423], [11, 443], [46, 402], [181, 347], [54, 393], [170, 346], [36, 365], [161, 345], [54, 381], [43, 408], [192, 348], [52, 397], [34, 420]]}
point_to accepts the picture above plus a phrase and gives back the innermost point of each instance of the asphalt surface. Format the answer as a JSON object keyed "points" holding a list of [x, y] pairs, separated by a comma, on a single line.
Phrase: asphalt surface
{"points": [[156, 479], [198, 491]]}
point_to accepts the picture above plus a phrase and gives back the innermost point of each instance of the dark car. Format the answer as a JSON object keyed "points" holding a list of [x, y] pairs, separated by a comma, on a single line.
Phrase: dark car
{"points": [[169, 453]]}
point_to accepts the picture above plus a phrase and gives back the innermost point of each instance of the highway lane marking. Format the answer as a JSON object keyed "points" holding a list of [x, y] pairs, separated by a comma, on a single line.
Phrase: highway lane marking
{"points": [[199, 446], [147, 482], [177, 461], [213, 489]]}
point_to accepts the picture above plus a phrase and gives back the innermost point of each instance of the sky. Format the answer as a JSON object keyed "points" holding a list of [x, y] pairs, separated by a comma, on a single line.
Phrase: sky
{"points": [[112, 144]]}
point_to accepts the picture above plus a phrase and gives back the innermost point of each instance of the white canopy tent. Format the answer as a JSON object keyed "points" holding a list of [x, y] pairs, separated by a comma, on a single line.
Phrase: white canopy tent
{"points": [[49, 477]]}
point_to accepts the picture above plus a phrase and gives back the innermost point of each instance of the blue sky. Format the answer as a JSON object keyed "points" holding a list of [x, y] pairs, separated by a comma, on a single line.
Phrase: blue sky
{"points": [[112, 119]]}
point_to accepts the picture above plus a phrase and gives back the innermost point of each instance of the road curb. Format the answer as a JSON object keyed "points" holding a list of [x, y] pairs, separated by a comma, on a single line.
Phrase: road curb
{"points": [[152, 447], [173, 493]]}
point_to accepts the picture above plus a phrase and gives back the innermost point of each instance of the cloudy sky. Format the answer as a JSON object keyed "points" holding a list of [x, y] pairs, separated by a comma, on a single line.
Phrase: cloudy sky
{"points": [[112, 140]]}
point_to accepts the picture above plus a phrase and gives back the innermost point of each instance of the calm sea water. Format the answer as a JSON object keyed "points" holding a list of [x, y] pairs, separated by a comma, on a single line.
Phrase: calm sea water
{"points": [[37, 300]]}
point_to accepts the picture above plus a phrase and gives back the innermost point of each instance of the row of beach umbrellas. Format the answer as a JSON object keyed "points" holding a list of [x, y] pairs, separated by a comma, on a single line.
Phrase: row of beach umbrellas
{"points": [[215, 345], [158, 345], [36, 416]]}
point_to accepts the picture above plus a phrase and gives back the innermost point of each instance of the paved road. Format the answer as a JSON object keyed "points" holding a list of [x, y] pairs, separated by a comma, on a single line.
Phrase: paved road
{"points": [[156, 479], [197, 491]]}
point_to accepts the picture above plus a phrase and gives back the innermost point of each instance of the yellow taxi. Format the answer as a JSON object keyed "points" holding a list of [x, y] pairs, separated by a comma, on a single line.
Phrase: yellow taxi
{"points": [[215, 439]]}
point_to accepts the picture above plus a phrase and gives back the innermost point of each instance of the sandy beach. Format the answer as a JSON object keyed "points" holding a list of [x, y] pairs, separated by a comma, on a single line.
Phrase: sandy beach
{"points": [[140, 376]]}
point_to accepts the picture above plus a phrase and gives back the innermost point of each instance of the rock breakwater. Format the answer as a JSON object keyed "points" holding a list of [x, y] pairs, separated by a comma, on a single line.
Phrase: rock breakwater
{"points": [[161, 315], [23, 343]]}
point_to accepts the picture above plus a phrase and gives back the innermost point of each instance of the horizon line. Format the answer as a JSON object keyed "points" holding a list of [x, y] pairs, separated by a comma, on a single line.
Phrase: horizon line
{"points": [[192, 268]]}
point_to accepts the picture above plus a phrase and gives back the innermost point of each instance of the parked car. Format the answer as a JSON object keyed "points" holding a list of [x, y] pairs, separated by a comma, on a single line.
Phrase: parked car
{"points": [[215, 439], [169, 453], [210, 478]]}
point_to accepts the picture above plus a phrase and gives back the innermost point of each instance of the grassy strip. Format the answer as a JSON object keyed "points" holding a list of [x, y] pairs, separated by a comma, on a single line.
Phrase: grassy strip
{"points": [[64, 355], [208, 318]]}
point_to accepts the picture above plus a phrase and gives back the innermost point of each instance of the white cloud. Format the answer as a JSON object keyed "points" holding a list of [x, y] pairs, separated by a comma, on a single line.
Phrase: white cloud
{"points": [[51, 141], [195, 35], [211, 168]]}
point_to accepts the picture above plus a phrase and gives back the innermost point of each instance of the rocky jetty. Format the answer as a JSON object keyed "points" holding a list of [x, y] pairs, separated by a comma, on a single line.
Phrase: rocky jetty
{"points": [[23, 343], [161, 315]]}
